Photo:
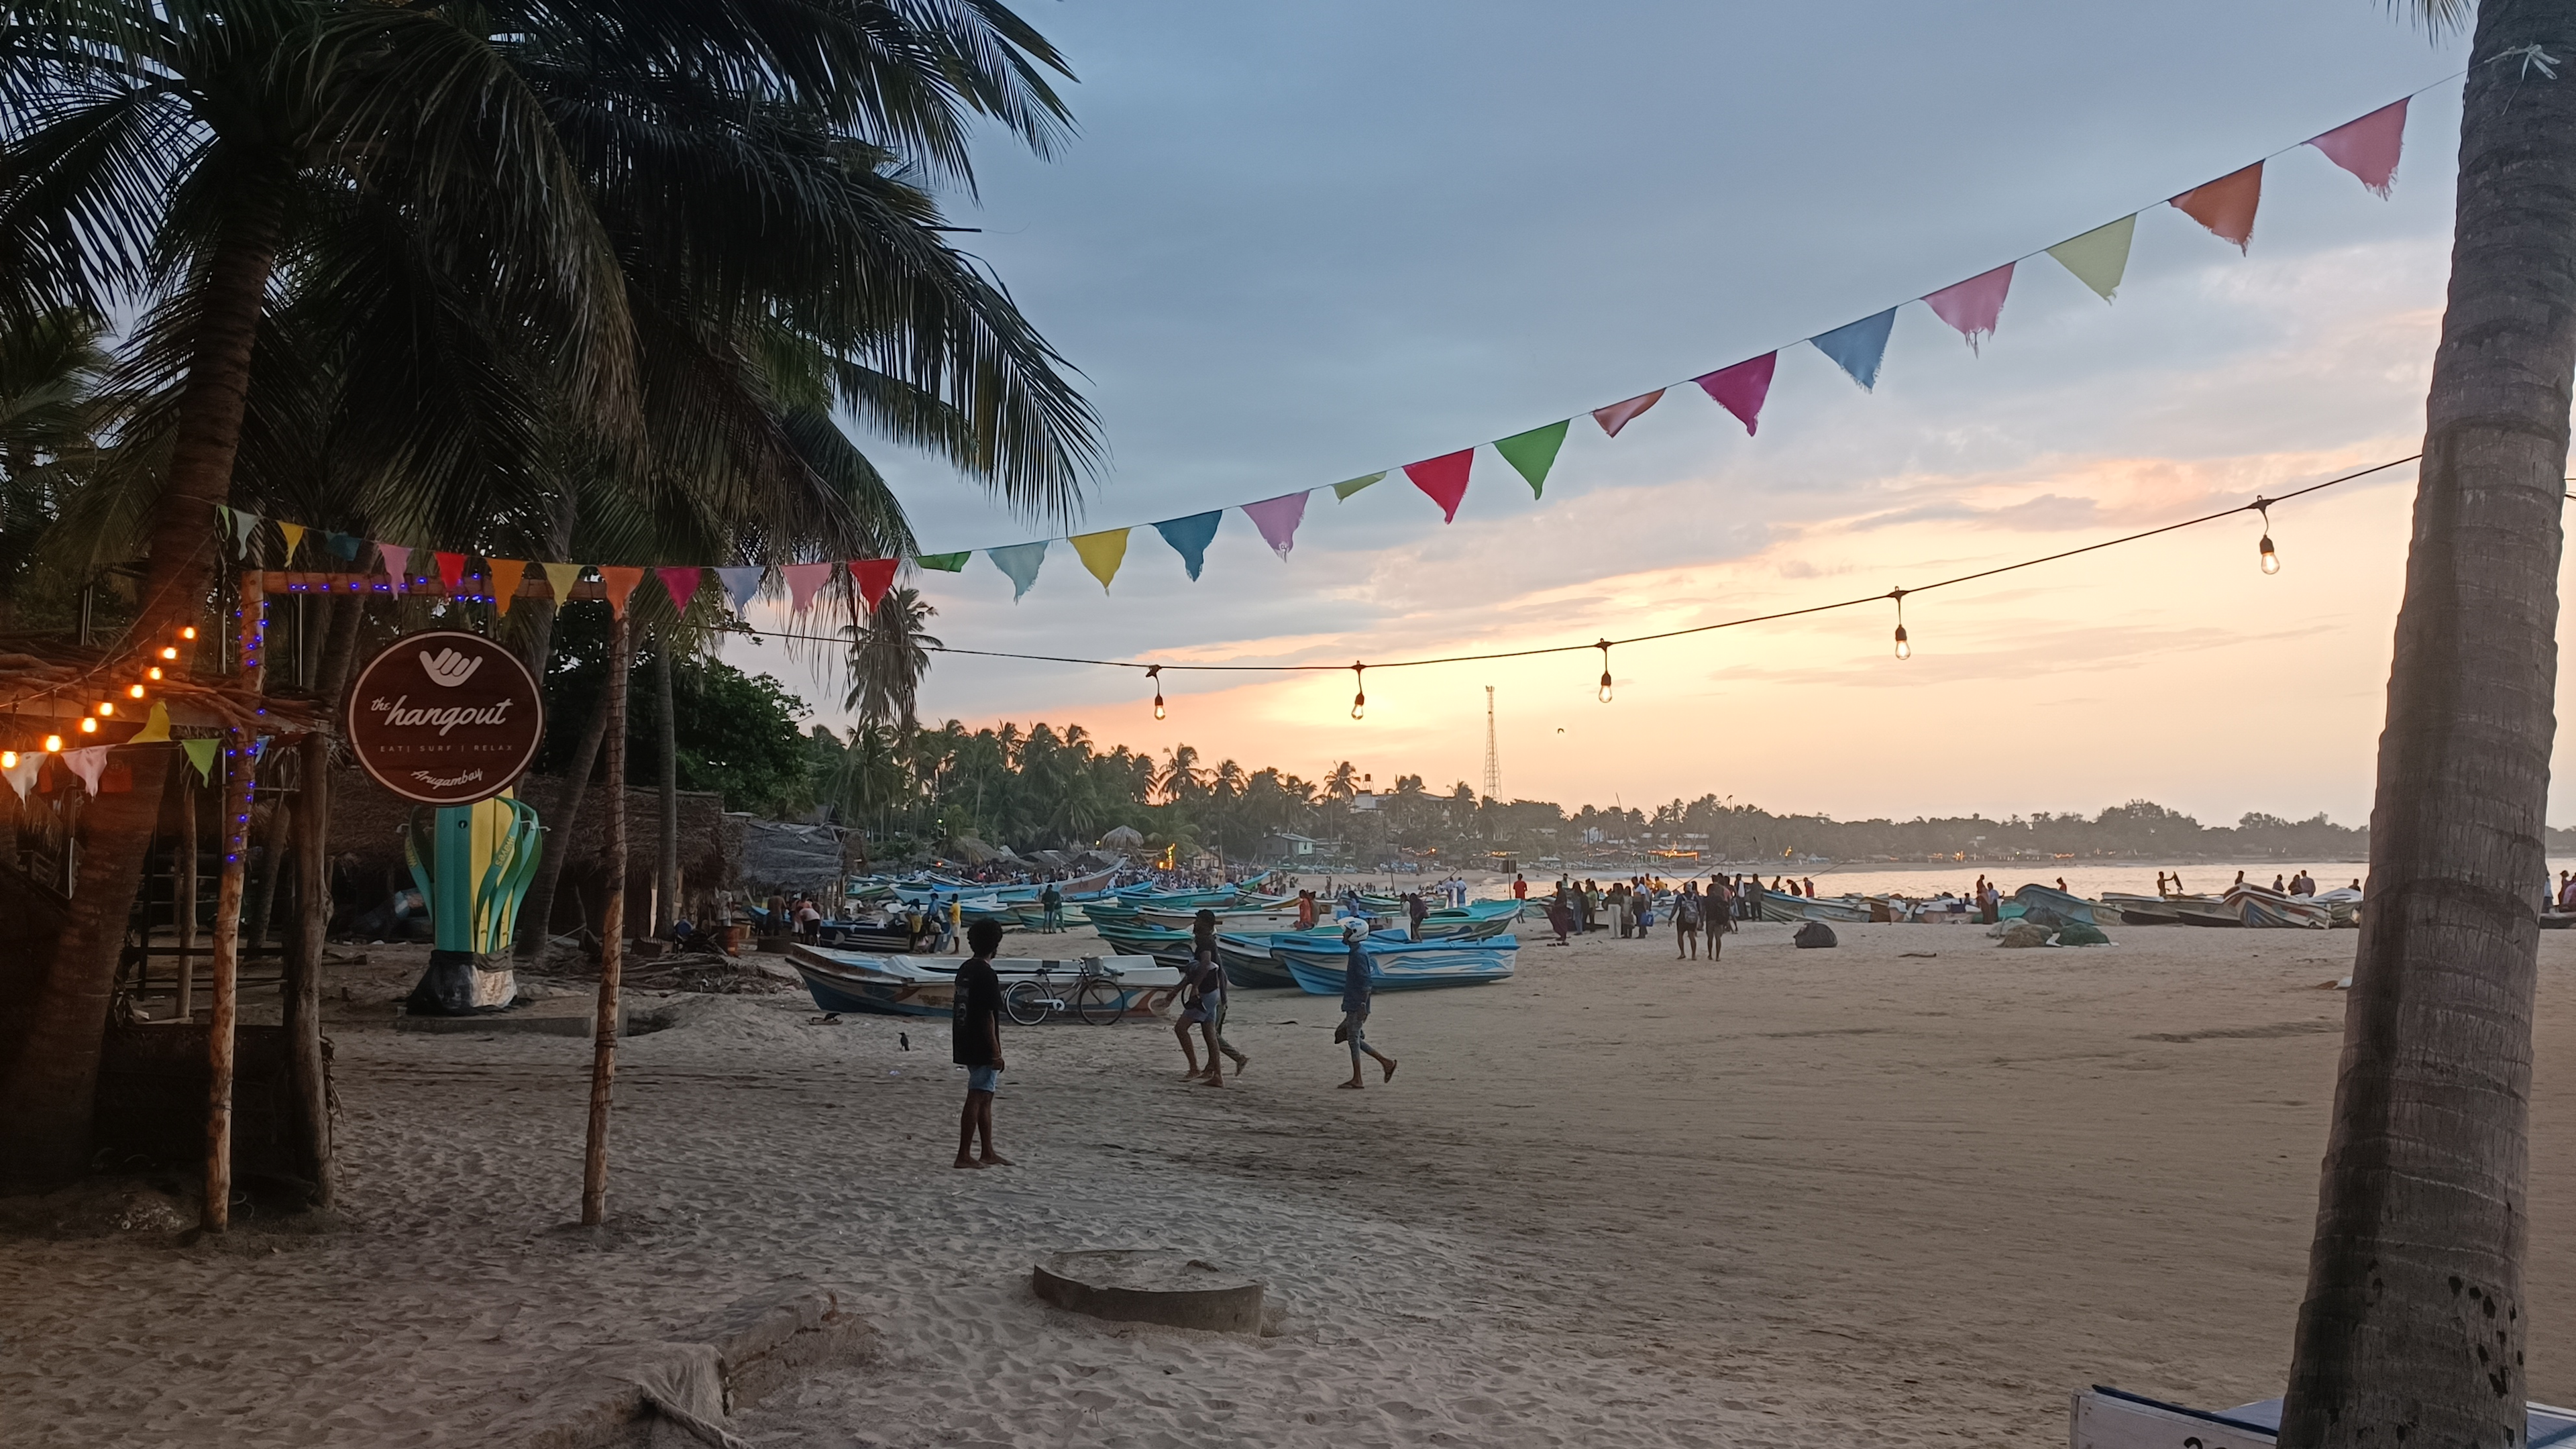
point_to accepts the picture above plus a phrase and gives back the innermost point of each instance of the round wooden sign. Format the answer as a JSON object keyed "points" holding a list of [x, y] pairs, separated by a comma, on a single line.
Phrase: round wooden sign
{"points": [[445, 718]]}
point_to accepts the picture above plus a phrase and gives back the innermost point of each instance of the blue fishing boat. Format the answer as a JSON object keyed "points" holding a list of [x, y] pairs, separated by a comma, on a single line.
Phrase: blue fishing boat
{"points": [[1248, 961], [1480, 920], [1317, 961]]}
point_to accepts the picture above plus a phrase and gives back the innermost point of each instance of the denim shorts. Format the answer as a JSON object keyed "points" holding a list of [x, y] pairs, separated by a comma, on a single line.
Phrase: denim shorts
{"points": [[983, 1079]]}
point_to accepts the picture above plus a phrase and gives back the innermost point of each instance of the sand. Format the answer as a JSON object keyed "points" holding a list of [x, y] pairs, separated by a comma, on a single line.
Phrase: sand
{"points": [[1794, 1198]]}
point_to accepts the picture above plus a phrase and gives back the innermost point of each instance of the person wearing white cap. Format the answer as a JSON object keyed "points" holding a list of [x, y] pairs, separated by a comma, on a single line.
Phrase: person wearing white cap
{"points": [[1356, 989]]}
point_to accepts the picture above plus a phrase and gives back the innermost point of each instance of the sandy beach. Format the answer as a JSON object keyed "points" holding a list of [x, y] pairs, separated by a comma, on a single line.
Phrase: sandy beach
{"points": [[1913, 1190]]}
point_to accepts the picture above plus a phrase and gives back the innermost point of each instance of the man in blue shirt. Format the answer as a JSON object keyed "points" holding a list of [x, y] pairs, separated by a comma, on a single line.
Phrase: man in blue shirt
{"points": [[1357, 985]]}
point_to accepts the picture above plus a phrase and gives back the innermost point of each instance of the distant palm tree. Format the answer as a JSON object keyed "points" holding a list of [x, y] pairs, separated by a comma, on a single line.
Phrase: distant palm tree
{"points": [[1342, 782], [889, 660], [55, 412], [2415, 1321]]}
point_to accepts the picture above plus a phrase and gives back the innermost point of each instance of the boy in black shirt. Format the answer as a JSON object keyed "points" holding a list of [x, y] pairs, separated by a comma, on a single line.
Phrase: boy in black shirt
{"points": [[976, 1043]]}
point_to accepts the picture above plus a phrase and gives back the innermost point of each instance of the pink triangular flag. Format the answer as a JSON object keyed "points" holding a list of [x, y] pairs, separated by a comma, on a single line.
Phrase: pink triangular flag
{"points": [[681, 584], [1277, 518], [2368, 148], [451, 571], [1741, 389], [803, 582], [1619, 414], [873, 576], [88, 764], [397, 562], [1444, 479], [1974, 305]]}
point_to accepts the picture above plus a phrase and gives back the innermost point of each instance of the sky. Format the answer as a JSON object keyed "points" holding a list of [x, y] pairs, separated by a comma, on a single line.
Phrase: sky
{"points": [[1293, 244]]}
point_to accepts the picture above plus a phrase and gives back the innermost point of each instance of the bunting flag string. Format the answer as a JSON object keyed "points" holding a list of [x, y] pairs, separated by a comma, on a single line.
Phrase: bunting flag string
{"points": [[2368, 147]]}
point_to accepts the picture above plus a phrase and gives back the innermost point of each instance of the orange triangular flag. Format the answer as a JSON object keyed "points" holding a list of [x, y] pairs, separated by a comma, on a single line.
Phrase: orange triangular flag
{"points": [[506, 573], [2226, 206], [619, 583], [1619, 414]]}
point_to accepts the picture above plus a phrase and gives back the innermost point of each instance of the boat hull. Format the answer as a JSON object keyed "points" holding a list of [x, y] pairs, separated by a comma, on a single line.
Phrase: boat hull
{"points": [[848, 981], [1401, 965]]}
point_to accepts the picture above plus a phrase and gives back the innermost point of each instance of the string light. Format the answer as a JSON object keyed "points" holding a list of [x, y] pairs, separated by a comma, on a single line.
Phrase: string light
{"points": [[1904, 650], [2271, 558], [106, 707], [8, 759], [89, 724], [1359, 691], [152, 673], [53, 744], [1604, 647], [188, 632], [1155, 674], [169, 651], [135, 691]]}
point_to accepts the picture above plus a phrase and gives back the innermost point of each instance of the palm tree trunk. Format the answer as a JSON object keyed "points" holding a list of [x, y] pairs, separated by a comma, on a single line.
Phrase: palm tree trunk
{"points": [[612, 933], [45, 1104], [540, 904], [666, 872], [308, 1075], [2412, 1330]]}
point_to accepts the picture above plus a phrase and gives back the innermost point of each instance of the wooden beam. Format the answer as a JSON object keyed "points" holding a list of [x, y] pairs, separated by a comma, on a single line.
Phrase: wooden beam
{"points": [[612, 930]]}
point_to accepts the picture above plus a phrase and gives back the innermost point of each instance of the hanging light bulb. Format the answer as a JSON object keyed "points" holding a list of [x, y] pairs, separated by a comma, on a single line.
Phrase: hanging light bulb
{"points": [[106, 707], [152, 673], [190, 632], [2271, 559], [1604, 647], [89, 725], [169, 651], [1904, 650], [1359, 692], [1155, 673], [8, 759], [134, 691], [53, 744]]}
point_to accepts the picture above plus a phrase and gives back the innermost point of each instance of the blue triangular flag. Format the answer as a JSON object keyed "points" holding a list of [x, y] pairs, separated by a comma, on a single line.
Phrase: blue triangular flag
{"points": [[1020, 561], [346, 545], [244, 525], [740, 584], [1857, 347], [1189, 537]]}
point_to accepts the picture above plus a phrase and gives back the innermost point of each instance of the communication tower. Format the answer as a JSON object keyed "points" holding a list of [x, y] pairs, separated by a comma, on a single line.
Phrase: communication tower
{"points": [[1493, 759]]}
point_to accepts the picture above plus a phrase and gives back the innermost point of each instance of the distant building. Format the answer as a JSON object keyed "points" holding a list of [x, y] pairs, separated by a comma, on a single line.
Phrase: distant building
{"points": [[1288, 847]]}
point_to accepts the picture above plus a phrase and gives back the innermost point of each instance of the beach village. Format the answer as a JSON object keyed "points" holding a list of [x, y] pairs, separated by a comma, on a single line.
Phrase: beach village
{"points": [[529, 536]]}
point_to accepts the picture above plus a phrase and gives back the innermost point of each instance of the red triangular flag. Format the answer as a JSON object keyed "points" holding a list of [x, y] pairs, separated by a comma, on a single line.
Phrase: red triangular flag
{"points": [[873, 576], [1619, 414], [1740, 389], [1444, 479], [451, 571], [2226, 206], [681, 583], [2369, 147]]}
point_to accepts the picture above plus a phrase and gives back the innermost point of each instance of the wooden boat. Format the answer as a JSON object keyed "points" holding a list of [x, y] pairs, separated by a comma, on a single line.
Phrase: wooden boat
{"points": [[2141, 910], [1237, 919], [2343, 906], [849, 981], [1248, 961], [2035, 898], [1840, 910], [2258, 906], [1317, 961], [878, 937], [1481, 920]]}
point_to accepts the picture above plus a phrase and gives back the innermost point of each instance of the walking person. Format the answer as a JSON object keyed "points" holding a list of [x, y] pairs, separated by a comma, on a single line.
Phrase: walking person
{"points": [[1051, 902], [975, 1043], [1205, 1008], [1721, 915], [1686, 913], [1357, 987]]}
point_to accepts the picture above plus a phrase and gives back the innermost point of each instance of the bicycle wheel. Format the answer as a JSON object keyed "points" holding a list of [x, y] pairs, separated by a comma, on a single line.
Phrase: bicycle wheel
{"points": [[1031, 1002], [1100, 1002]]}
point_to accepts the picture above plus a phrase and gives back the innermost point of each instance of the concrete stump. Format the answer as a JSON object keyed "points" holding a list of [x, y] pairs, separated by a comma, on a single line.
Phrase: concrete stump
{"points": [[1137, 1285]]}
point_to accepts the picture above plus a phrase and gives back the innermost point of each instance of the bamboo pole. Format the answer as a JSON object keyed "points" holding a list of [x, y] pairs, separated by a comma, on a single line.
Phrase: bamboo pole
{"points": [[603, 1049], [241, 765]]}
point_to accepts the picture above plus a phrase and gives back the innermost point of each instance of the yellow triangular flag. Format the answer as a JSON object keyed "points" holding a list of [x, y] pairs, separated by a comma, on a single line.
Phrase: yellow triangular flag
{"points": [[1102, 553], [294, 535], [2100, 257], [560, 577], [156, 727], [506, 573]]}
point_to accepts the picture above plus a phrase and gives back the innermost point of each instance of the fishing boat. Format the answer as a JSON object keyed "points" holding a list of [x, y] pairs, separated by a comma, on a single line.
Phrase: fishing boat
{"points": [[881, 937], [2258, 906], [2141, 910], [1235, 919], [1840, 910], [1248, 961], [1317, 961], [2206, 911], [1479, 921], [2065, 905], [2343, 906], [851, 981]]}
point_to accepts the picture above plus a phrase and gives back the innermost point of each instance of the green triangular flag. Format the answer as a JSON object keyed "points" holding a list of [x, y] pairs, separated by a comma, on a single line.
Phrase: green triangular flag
{"points": [[1533, 453], [2100, 257], [946, 563], [201, 753], [1344, 490]]}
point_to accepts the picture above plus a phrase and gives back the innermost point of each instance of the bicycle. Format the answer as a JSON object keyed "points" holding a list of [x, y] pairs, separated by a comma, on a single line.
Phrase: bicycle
{"points": [[1093, 995]]}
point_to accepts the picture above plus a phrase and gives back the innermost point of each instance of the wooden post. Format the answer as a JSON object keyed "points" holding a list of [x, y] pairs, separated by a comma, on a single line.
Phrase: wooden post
{"points": [[301, 992], [612, 930], [186, 896], [241, 765]]}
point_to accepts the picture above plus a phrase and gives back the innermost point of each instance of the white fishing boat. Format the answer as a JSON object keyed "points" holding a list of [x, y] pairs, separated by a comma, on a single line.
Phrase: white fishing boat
{"points": [[842, 981]]}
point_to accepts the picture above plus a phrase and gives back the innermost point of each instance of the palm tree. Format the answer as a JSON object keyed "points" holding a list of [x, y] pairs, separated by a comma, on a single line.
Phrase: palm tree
{"points": [[1342, 782], [55, 411], [2414, 1322], [888, 661]]}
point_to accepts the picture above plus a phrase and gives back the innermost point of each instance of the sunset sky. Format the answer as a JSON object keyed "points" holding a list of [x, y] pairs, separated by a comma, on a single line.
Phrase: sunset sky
{"points": [[1297, 243]]}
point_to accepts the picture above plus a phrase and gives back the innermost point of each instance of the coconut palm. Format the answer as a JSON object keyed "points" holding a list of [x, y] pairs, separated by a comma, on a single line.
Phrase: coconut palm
{"points": [[888, 661], [55, 411], [2414, 1322]]}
